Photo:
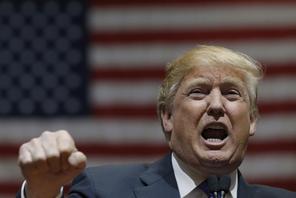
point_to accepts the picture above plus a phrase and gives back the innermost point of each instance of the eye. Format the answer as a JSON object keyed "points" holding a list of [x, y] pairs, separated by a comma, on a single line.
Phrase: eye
{"points": [[197, 93], [232, 94]]}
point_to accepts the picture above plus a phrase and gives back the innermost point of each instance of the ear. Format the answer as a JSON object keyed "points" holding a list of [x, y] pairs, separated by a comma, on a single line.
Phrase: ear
{"points": [[253, 126], [167, 122]]}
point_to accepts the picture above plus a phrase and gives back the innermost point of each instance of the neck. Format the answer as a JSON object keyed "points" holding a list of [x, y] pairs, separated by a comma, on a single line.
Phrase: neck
{"points": [[198, 173], [194, 173]]}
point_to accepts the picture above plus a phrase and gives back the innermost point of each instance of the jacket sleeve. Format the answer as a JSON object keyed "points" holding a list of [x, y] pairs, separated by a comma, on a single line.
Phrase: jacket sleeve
{"points": [[82, 187]]}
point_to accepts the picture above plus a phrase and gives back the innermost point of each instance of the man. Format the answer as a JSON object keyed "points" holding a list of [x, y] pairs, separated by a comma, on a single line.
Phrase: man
{"points": [[207, 108]]}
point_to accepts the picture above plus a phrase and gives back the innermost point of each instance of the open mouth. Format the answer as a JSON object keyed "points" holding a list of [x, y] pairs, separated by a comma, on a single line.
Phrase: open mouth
{"points": [[215, 132]]}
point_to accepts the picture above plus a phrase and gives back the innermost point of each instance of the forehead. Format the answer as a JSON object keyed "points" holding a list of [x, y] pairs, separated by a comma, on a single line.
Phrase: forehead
{"points": [[215, 74]]}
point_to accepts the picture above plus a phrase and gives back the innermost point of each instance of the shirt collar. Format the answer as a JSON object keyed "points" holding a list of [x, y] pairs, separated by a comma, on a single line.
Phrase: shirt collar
{"points": [[186, 184]]}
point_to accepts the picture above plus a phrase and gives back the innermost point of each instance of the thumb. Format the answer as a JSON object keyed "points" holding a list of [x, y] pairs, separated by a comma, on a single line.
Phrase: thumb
{"points": [[76, 164], [77, 160]]}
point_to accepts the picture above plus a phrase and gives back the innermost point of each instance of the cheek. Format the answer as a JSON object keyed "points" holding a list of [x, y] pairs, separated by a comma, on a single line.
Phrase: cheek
{"points": [[240, 119], [193, 109], [187, 117]]}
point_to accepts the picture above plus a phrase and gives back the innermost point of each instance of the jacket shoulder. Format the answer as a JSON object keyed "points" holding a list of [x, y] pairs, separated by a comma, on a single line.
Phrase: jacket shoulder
{"points": [[108, 181], [111, 174], [272, 192]]}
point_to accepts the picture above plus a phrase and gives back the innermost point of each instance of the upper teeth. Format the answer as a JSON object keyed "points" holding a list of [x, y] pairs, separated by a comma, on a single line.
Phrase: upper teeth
{"points": [[216, 127]]}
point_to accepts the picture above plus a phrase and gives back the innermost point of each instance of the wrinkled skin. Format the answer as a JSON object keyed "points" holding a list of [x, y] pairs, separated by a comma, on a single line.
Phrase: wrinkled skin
{"points": [[210, 95]]}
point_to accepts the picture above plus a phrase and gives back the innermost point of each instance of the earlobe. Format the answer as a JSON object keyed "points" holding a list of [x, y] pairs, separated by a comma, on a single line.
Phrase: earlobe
{"points": [[166, 118], [252, 128]]}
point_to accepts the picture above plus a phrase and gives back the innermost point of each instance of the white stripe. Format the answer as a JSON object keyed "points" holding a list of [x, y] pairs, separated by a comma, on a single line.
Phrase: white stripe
{"points": [[128, 131], [158, 54], [9, 170], [269, 166], [85, 130], [197, 17], [272, 127], [145, 92], [135, 93], [134, 54], [277, 89]]}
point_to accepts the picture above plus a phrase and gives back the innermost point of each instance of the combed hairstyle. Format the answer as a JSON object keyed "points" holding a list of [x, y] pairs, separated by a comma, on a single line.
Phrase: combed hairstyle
{"points": [[204, 55]]}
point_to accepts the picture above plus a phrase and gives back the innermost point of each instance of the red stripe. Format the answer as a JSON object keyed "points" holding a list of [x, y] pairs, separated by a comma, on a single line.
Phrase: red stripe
{"points": [[183, 2], [285, 69], [10, 188], [150, 72], [288, 106], [150, 149], [149, 111], [126, 150], [196, 36], [125, 111], [101, 149], [129, 74], [286, 183], [154, 149], [273, 146]]}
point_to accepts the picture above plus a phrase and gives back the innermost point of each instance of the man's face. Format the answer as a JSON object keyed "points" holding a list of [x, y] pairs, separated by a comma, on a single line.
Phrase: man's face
{"points": [[210, 121]]}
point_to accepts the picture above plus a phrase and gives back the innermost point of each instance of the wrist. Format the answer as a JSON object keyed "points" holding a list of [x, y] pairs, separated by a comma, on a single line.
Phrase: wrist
{"points": [[41, 192]]}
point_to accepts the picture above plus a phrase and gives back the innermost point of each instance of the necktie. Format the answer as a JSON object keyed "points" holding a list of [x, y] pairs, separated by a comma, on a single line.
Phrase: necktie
{"points": [[205, 188], [215, 187]]}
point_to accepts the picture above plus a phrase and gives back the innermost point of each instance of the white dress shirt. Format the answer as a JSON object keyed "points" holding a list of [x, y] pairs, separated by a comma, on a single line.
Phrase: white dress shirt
{"points": [[186, 184]]}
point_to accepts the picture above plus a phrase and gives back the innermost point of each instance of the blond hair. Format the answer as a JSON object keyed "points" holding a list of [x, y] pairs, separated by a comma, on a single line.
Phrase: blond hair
{"points": [[208, 56]]}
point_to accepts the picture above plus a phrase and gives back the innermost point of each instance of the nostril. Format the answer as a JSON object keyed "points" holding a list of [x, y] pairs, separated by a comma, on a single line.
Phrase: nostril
{"points": [[215, 104], [215, 101], [216, 112]]}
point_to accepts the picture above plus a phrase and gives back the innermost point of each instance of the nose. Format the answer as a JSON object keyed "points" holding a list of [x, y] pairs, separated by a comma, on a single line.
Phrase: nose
{"points": [[215, 105]]}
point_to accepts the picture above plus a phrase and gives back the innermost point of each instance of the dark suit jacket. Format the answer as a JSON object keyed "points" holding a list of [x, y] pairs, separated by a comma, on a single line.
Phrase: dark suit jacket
{"points": [[156, 180], [150, 181]]}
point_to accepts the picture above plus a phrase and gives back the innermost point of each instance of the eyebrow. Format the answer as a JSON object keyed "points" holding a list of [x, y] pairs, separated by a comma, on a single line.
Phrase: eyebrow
{"points": [[234, 81], [237, 82], [198, 81]]}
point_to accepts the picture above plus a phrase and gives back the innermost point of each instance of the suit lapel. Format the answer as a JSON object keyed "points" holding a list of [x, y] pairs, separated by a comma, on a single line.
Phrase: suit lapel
{"points": [[158, 181], [244, 190]]}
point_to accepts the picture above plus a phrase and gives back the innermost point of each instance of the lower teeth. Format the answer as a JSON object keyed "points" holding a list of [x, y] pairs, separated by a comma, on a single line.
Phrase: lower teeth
{"points": [[213, 140]]}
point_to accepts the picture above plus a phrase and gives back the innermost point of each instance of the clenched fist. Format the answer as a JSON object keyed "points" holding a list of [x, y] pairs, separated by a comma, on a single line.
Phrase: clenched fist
{"points": [[49, 162]]}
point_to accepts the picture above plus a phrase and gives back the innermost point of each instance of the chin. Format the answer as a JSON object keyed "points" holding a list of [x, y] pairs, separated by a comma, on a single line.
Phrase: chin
{"points": [[219, 160], [217, 155], [219, 168]]}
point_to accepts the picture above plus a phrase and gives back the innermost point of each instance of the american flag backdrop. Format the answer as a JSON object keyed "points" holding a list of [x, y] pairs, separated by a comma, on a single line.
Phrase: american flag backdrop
{"points": [[94, 68]]}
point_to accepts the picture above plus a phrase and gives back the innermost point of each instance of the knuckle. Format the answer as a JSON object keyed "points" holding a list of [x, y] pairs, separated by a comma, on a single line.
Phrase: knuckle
{"points": [[24, 155], [23, 162], [34, 141], [66, 148], [46, 134], [63, 132], [53, 155], [23, 148], [40, 158], [65, 135]]}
